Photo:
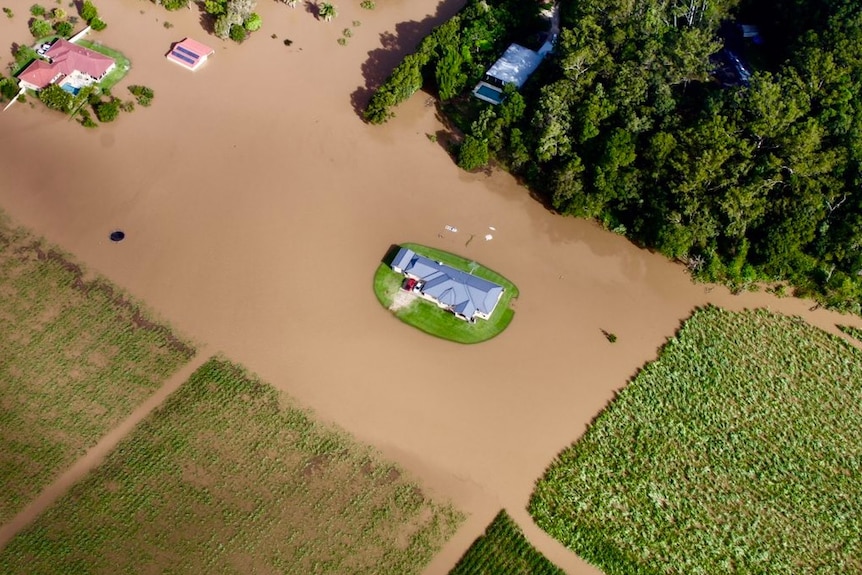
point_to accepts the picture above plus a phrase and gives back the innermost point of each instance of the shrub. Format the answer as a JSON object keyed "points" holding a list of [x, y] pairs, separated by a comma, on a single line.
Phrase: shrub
{"points": [[40, 27], [253, 22], [214, 8], [56, 98], [98, 24], [8, 87], [127, 106], [288, 42], [367, 4], [8, 12], [87, 120], [58, 14], [142, 94], [342, 41], [37, 10], [347, 32], [238, 33], [174, 4], [63, 29], [107, 111], [88, 11], [473, 153]]}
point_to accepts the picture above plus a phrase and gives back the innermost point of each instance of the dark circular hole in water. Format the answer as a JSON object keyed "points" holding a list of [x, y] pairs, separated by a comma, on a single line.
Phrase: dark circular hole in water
{"points": [[117, 236]]}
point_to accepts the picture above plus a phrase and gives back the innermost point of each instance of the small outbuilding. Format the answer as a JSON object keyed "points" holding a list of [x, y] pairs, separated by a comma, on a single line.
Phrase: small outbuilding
{"points": [[190, 53]]}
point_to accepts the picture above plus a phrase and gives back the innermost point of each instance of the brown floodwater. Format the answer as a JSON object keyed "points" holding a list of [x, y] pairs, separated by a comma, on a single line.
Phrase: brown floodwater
{"points": [[257, 205]]}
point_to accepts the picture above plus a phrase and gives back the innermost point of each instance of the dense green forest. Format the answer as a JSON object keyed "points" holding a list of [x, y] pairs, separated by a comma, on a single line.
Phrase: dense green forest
{"points": [[747, 182]]}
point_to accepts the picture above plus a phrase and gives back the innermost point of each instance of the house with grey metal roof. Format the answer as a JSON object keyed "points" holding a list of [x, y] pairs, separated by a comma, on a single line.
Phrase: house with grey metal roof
{"points": [[462, 293]]}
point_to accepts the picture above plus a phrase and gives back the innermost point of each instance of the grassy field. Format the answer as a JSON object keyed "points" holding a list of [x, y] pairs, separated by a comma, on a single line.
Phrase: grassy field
{"points": [[503, 550], [228, 477], [738, 451], [76, 357], [426, 316], [118, 73]]}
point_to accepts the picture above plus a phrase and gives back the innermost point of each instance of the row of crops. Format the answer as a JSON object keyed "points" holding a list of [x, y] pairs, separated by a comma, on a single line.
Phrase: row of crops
{"points": [[503, 550], [854, 332], [227, 477], [739, 450], [75, 360]]}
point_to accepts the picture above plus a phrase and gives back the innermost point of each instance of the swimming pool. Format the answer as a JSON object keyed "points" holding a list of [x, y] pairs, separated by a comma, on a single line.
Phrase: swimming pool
{"points": [[490, 93], [71, 89]]}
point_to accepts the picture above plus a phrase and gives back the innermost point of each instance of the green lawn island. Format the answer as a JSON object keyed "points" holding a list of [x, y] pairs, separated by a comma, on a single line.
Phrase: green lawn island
{"points": [[444, 294]]}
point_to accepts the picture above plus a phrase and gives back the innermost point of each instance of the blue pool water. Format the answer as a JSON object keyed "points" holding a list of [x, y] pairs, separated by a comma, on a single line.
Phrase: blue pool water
{"points": [[71, 89], [490, 93]]}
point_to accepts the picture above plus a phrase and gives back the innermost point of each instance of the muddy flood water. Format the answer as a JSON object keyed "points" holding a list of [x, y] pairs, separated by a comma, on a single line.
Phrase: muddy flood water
{"points": [[257, 205]]}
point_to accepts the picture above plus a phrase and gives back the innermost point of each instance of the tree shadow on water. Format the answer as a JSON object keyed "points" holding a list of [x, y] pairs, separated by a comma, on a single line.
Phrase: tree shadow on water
{"points": [[393, 47], [312, 8]]}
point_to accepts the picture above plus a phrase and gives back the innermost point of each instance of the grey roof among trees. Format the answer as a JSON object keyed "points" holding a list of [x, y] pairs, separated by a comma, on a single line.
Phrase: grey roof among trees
{"points": [[515, 65], [464, 293]]}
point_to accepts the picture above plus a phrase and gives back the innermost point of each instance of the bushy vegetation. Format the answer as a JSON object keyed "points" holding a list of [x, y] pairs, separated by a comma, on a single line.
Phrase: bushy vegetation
{"points": [[233, 19], [8, 88], [327, 11], [428, 317], [76, 357], [56, 98], [90, 14], [173, 4], [229, 473], [738, 450], [107, 110], [746, 181], [142, 94], [503, 550]]}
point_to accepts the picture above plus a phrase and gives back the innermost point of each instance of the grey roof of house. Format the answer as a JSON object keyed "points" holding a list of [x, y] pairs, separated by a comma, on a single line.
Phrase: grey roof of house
{"points": [[465, 293], [402, 258], [515, 65]]}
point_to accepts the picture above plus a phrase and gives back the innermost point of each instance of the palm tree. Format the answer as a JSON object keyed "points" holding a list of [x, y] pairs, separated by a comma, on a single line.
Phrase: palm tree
{"points": [[327, 11]]}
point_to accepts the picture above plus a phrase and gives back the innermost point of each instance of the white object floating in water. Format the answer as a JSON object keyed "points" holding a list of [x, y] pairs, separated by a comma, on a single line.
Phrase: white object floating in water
{"points": [[451, 229], [492, 228], [489, 237]]}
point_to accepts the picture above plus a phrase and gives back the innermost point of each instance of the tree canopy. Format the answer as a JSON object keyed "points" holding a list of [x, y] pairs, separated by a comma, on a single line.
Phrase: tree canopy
{"points": [[752, 180]]}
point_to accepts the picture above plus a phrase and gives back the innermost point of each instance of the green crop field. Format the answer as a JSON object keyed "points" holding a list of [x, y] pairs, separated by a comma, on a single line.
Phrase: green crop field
{"points": [[853, 332], [433, 320], [503, 550], [76, 357], [739, 450], [229, 477]]}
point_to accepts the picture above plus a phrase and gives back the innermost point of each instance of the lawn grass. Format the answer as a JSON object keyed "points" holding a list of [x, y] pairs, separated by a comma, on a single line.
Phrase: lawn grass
{"points": [[229, 477], [115, 75], [739, 450], [503, 550], [76, 357], [426, 316]]}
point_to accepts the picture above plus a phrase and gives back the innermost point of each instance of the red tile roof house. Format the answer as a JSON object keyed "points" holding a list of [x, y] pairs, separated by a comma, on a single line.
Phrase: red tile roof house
{"points": [[68, 64]]}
